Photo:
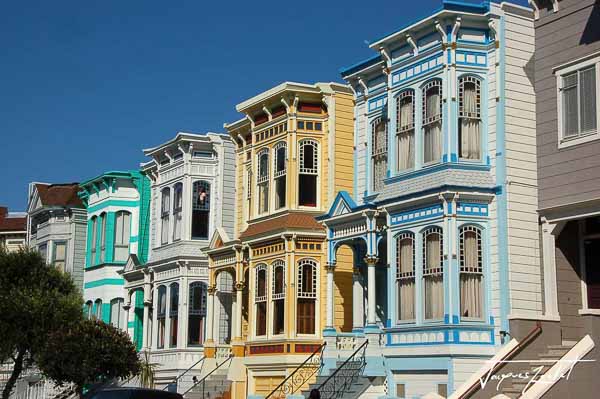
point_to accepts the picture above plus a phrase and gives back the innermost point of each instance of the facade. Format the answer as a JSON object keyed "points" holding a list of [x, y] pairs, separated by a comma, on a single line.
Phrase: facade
{"points": [[293, 152], [442, 217], [118, 206], [56, 220], [192, 196], [13, 229]]}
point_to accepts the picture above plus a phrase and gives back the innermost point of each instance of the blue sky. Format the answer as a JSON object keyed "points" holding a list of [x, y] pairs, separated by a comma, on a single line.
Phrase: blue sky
{"points": [[86, 85]]}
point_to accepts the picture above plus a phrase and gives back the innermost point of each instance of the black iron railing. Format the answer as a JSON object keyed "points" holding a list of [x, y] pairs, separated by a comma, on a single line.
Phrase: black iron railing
{"points": [[199, 386], [300, 375], [172, 386], [336, 385]]}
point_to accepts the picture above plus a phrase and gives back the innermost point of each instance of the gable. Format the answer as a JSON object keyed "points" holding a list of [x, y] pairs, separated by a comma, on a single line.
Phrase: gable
{"points": [[219, 238], [132, 263], [342, 204]]}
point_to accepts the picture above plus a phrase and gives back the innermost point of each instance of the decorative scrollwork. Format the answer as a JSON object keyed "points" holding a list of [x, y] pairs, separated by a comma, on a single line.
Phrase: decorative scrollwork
{"points": [[339, 382]]}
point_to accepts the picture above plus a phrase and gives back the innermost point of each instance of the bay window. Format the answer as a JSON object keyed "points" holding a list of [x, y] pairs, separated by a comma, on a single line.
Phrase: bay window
{"points": [[308, 172], [196, 313], [280, 175], [59, 255], [379, 149], [432, 122], [118, 316], [260, 300], [164, 215], [471, 273], [433, 273], [200, 209], [405, 276], [307, 296], [122, 235], [177, 209], [278, 296], [161, 313], [469, 114], [405, 130], [263, 181], [173, 314]]}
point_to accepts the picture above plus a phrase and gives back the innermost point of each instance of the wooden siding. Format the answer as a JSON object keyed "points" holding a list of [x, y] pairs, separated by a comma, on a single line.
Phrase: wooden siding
{"points": [[344, 143], [570, 174], [361, 153]]}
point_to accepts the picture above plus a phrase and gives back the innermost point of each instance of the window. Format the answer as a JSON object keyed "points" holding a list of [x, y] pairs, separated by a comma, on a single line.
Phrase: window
{"points": [[177, 208], [94, 227], [471, 273], [122, 235], [263, 181], [173, 314], [200, 209], [280, 175], [59, 255], [248, 193], [379, 149], [469, 114], [225, 297], [260, 300], [43, 250], [164, 215], [98, 310], [197, 313], [89, 306], [432, 122], [307, 296], [118, 317], [278, 297], [405, 130], [405, 276], [309, 169], [433, 273], [161, 313], [102, 237]]}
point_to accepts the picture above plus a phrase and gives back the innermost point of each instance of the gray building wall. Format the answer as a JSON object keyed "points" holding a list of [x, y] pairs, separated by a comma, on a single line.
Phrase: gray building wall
{"points": [[570, 174]]}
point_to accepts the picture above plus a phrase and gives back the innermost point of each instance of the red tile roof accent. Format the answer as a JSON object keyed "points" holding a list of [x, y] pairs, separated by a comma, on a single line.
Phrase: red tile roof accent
{"points": [[11, 223], [300, 221], [59, 194]]}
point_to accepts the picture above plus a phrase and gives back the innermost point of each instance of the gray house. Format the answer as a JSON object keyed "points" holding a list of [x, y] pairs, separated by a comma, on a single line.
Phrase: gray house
{"points": [[56, 226]]}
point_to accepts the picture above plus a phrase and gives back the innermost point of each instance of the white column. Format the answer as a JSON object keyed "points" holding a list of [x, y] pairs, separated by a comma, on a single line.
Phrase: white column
{"points": [[371, 309], [358, 314], [210, 311], [330, 298], [147, 329], [549, 233]]}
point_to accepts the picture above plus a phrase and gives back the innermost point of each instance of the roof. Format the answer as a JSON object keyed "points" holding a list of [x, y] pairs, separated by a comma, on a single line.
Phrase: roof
{"points": [[288, 221], [11, 222], [59, 194]]}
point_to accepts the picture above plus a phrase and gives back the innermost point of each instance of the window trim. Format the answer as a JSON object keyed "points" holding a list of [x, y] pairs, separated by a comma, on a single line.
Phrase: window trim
{"points": [[54, 244], [280, 175], [426, 121], [403, 235], [560, 72], [479, 231], [378, 153], [314, 264], [306, 171], [208, 189], [263, 180], [260, 299], [403, 94], [478, 82]]}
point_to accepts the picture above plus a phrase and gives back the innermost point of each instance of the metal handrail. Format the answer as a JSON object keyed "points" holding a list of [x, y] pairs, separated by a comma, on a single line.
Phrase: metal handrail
{"points": [[304, 377], [185, 372], [342, 367], [208, 375]]}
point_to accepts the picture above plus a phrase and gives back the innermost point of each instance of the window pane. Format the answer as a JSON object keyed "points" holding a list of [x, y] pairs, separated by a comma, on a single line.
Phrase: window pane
{"points": [[569, 93], [307, 187], [588, 99]]}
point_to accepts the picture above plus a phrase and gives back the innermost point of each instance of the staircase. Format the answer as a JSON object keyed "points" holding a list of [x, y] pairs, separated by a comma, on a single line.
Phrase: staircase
{"points": [[349, 386], [215, 386]]}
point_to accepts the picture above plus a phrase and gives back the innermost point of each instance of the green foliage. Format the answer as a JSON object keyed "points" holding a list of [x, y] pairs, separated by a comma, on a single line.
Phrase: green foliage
{"points": [[147, 371], [90, 352]]}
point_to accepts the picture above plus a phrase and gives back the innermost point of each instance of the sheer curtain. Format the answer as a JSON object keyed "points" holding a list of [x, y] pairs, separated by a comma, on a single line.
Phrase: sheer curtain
{"points": [[406, 279], [379, 154], [406, 133], [433, 276], [432, 135], [471, 294], [470, 122]]}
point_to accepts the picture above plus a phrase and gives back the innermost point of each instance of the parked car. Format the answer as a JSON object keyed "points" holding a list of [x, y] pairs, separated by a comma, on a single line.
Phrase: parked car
{"points": [[132, 393]]}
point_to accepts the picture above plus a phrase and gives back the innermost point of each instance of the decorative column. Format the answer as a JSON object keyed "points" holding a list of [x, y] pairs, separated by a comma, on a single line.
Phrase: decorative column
{"points": [[358, 313], [146, 325], [549, 233], [371, 261], [330, 268], [209, 343]]}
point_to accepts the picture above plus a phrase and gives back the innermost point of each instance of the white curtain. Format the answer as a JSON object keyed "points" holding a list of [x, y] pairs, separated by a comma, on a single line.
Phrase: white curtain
{"points": [[433, 131], [471, 298], [406, 283], [434, 278], [588, 99], [470, 142], [406, 150]]}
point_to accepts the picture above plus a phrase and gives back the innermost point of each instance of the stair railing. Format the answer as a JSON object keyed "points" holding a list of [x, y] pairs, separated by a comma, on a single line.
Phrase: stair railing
{"points": [[172, 386], [300, 375], [202, 382], [344, 376]]}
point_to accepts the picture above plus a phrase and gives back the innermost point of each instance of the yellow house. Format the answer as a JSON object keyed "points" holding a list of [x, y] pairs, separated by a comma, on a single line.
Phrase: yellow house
{"points": [[294, 152]]}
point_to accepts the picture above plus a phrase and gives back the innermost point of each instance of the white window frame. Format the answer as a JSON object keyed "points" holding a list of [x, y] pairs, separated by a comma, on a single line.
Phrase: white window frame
{"points": [[308, 171], [308, 295], [560, 72]]}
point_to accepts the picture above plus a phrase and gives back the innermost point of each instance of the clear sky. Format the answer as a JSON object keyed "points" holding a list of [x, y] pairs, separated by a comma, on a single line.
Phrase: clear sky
{"points": [[86, 85]]}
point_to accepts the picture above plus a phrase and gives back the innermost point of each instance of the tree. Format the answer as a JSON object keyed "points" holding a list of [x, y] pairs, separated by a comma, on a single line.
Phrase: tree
{"points": [[90, 352], [35, 300]]}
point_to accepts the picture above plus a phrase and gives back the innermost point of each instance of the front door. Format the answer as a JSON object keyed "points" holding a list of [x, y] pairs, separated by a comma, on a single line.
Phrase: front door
{"points": [[592, 269]]}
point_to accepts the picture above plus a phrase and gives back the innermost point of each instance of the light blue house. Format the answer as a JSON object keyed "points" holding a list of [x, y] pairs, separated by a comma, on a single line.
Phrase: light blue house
{"points": [[443, 221]]}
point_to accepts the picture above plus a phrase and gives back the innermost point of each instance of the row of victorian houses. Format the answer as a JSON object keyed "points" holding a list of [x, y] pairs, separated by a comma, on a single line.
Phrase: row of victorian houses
{"points": [[391, 234]]}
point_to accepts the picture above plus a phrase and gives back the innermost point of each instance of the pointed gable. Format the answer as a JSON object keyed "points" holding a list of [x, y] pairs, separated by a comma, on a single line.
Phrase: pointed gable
{"points": [[342, 204], [219, 238], [132, 263]]}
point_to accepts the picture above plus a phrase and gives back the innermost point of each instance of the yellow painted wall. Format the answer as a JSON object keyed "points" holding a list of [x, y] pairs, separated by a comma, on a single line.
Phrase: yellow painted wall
{"points": [[343, 289], [344, 143]]}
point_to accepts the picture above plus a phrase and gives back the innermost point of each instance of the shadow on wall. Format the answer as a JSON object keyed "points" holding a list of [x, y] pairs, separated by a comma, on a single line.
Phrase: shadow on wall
{"points": [[591, 33]]}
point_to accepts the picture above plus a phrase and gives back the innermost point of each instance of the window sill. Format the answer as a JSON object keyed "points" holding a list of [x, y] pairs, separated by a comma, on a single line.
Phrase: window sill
{"points": [[589, 312], [575, 141]]}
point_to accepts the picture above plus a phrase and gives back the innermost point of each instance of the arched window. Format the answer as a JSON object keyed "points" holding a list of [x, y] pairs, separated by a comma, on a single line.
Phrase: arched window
{"points": [[278, 296], [280, 174], [469, 114], [89, 306], [200, 209], [94, 243], [405, 130], [164, 214], [161, 313], [122, 235], [308, 172], [263, 181], [471, 273], [173, 313], [196, 313], [433, 273], [177, 208], [260, 300], [307, 296], [98, 310], [118, 317], [225, 296], [405, 276], [379, 151], [433, 142], [102, 237]]}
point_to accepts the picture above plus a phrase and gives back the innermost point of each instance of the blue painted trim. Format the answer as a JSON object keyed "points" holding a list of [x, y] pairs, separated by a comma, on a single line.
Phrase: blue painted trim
{"points": [[436, 168], [373, 103], [113, 202], [398, 79], [413, 215], [360, 65], [103, 282], [329, 332]]}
